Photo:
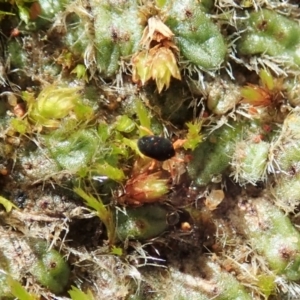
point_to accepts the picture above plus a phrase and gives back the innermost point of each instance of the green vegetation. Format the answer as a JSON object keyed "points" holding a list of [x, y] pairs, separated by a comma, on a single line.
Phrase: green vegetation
{"points": [[268, 32], [86, 213]]}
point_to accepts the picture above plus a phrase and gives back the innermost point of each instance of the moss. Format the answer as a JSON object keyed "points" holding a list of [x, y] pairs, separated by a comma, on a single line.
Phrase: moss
{"points": [[249, 162], [212, 157], [46, 266], [117, 33], [52, 272], [271, 33], [141, 223], [82, 81], [17, 54], [46, 10], [75, 152], [198, 38], [54, 103], [223, 95], [280, 241]]}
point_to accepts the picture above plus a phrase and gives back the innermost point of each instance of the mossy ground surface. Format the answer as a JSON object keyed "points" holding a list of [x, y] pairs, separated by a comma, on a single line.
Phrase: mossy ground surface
{"points": [[81, 81]]}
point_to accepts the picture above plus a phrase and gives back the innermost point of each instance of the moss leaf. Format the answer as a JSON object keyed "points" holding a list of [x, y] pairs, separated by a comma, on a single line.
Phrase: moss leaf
{"points": [[7, 204], [77, 294], [19, 291]]}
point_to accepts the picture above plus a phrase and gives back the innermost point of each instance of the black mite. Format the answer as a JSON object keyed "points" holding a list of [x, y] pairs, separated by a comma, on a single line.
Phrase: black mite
{"points": [[156, 147]]}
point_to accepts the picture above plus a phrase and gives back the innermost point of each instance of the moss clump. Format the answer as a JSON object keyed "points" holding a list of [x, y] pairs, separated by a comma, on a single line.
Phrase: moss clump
{"points": [[212, 157], [92, 78], [54, 103], [198, 38], [273, 235], [271, 33], [141, 223], [117, 33], [46, 266], [75, 152], [50, 269], [249, 161]]}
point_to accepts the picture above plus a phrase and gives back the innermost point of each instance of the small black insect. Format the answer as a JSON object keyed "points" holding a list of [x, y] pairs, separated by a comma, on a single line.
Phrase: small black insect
{"points": [[156, 147], [20, 199]]}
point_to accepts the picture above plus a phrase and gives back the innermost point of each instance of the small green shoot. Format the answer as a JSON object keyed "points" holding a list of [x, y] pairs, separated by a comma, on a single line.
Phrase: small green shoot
{"points": [[266, 284], [193, 138], [56, 102], [20, 125], [80, 72], [103, 132], [266, 79], [7, 204], [160, 3], [29, 98], [66, 59], [24, 13], [117, 251], [143, 115], [125, 124], [19, 291], [104, 214], [77, 294], [5, 13], [255, 95], [132, 145], [111, 172]]}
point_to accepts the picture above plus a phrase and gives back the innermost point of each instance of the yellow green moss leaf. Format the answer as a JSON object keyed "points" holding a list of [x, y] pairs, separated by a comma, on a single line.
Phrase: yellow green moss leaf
{"points": [[266, 284], [111, 172], [5, 13], [19, 291], [80, 72], [20, 125], [66, 59], [24, 13], [83, 112], [141, 67], [193, 138], [142, 114], [255, 95], [29, 98], [94, 203], [160, 3], [250, 93], [266, 79], [117, 251], [7, 204], [104, 214], [132, 144], [54, 103], [103, 131], [77, 294], [124, 124]]}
